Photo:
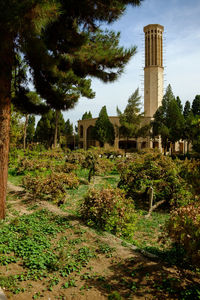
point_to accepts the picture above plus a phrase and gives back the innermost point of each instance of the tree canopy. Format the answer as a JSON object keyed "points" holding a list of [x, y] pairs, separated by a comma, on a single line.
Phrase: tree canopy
{"points": [[45, 129], [104, 130], [131, 118], [168, 119], [87, 115], [196, 105], [61, 43]]}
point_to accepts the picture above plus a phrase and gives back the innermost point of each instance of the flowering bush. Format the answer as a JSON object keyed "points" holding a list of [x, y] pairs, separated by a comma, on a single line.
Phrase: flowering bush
{"points": [[183, 228], [108, 209]]}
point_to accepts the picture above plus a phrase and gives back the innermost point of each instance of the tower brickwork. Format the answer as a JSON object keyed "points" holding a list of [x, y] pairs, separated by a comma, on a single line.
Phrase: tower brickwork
{"points": [[153, 70]]}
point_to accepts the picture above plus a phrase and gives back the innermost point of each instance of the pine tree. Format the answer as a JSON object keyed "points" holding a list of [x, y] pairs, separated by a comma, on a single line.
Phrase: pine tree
{"points": [[104, 130], [168, 120], [131, 118], [45, 130], [178, 100], [61, 43], [68, 128], [187, 109], [196, 106], [174, 121]]}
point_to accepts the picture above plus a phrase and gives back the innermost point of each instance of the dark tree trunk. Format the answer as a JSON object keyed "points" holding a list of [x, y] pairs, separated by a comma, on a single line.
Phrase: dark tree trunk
{"points": [[6, 55]]}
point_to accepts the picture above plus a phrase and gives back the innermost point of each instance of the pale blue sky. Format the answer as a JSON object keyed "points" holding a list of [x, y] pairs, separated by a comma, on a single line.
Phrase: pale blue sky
{"points": [[181, 20]]}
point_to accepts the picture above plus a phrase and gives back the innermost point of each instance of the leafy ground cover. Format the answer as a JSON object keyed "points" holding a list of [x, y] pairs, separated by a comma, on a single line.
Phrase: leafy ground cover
{"points": [[48, 252]]}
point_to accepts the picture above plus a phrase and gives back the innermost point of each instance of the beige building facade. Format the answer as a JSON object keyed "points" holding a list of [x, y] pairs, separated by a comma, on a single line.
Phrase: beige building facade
{"points": [[153, 94]]}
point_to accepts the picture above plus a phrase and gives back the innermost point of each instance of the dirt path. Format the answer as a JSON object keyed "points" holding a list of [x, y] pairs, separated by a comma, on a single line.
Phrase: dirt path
{"points": [[132, 274]]}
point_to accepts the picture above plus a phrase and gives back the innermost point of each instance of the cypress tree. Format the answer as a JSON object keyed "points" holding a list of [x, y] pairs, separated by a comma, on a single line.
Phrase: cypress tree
{"points": [[196, 106], [168, 119], [104, 129], [87, 115], [187, 109]]}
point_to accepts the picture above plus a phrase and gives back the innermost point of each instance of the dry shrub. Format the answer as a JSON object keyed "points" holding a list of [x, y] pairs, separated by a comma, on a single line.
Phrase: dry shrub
{"points": [[66, 168], [52, 187], [183, 228], [108, 209], [25, 164], [76, 157]]}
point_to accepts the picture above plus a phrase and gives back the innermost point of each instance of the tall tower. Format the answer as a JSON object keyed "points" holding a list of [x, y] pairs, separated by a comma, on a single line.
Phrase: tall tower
{"points": [[153, 71]]}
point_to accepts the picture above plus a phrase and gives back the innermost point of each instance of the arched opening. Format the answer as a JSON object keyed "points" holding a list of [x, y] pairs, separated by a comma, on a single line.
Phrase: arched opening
{"points": [[143, 145], [81, 131], [90, 137]]}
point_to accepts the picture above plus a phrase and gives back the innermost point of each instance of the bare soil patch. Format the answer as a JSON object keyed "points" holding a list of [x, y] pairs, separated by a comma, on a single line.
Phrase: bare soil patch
{"points": [[118, 269]]}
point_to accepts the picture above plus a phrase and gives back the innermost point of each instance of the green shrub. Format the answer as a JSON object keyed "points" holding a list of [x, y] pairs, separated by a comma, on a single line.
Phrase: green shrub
{"points": [[152, 169], [190, 171], [104, 165], [183, 228], [52, 187], [108, 209]]}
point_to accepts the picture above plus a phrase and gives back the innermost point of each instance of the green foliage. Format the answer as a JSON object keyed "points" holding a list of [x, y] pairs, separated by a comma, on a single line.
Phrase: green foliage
{"points": [[61, 62], [114, 296], [103, 129], [196, 106], [53, 187], [108, 209], [16, 128], [28, 238], [87, 115], [183, 228], [45, 129], [90, 162], [195, 133], [187, 109], [168, 119], [130, 119], [96, 164], [190, 172], [30, 129], [152, 169], [68, 128], [178, 100]]}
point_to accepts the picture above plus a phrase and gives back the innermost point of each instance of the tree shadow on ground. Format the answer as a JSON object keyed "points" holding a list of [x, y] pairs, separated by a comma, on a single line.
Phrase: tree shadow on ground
{"points": [[141, 278]]}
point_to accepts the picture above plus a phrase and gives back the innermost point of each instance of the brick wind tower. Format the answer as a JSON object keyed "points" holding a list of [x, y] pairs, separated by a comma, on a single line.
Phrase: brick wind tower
{"points": [[153, 70]]}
